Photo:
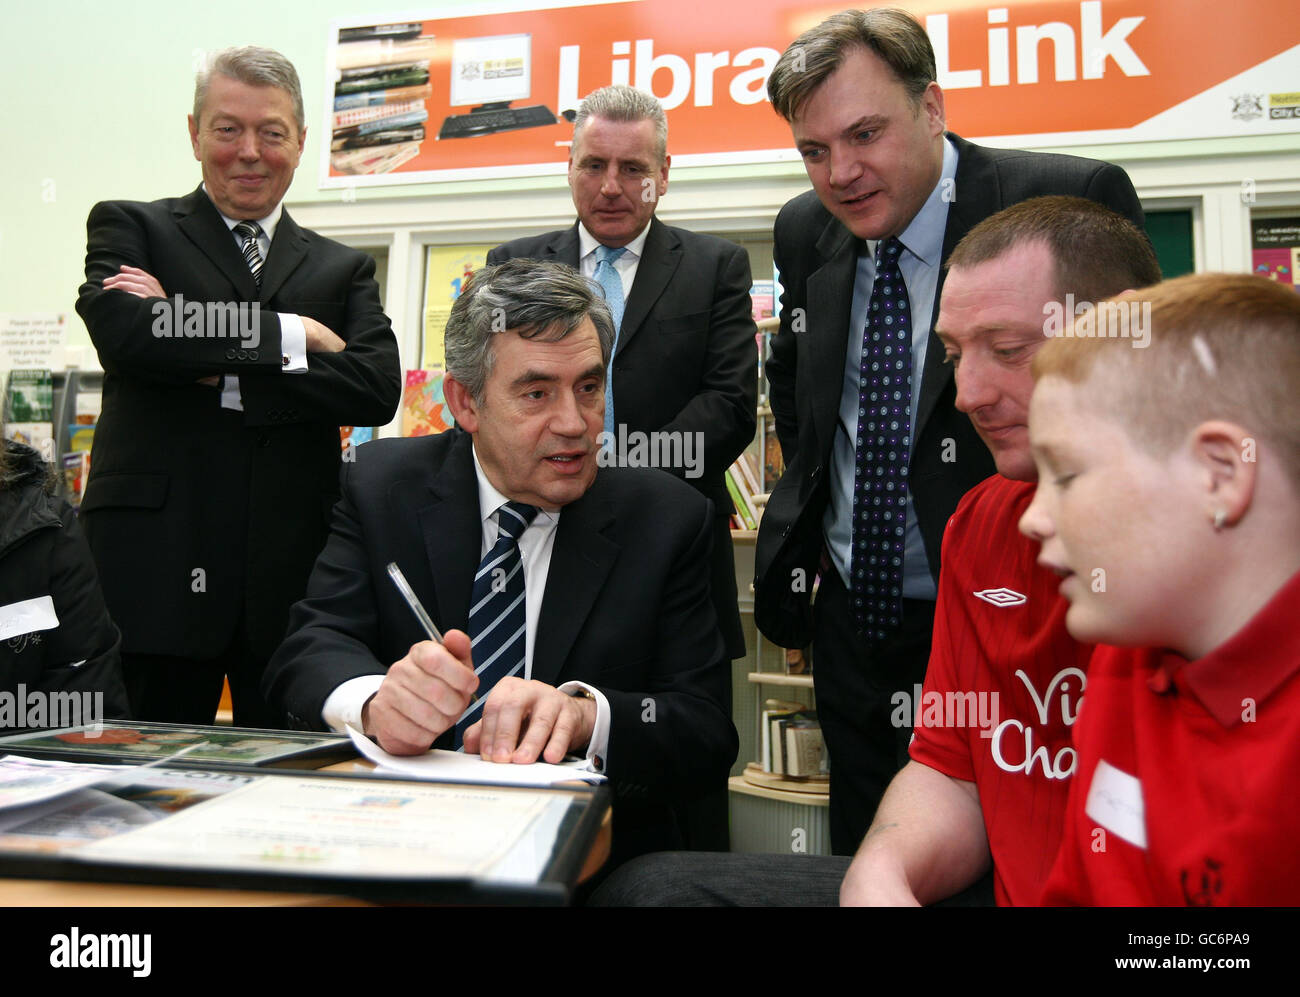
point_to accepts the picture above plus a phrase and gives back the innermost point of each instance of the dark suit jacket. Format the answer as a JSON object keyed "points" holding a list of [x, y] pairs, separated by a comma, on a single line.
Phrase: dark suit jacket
{"points": [[195, 513], [817, 259], [686, 362], [625, 610]]}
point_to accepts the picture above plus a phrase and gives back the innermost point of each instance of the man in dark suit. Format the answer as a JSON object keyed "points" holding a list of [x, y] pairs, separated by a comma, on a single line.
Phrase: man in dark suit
{"points": [[864, 408], [574, 602], [685, 359], [234, 344]]}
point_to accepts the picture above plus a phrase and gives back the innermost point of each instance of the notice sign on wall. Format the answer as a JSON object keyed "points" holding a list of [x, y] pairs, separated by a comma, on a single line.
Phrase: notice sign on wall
{"points": [[33, 340], [416, 98], [1275, 248]]}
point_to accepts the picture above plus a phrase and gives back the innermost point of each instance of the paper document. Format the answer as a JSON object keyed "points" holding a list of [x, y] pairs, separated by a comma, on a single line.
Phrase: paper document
{"points": [[338, 828], [28, 780], [456, 766]]}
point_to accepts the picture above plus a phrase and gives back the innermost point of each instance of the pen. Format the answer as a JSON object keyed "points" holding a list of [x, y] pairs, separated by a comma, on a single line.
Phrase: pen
{"points": [[417, 608]]}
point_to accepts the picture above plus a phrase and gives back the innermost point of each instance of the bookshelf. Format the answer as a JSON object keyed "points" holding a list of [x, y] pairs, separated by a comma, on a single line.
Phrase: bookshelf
{"points": [[768, 813]]}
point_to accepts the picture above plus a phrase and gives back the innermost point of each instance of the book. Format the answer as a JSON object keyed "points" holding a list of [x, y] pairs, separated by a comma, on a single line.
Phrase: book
{"points": [[385, 52], [386, 123], [76, 469], [81, 437], [362, 72], [763, 295], [805, 748], [424, 408], [375, 159], [743, 509], [30, 396], [352, 117], [382, 81], [748, 465], [392, 136], [382, 96], [771, 708], [795, 743], [372, 32]]}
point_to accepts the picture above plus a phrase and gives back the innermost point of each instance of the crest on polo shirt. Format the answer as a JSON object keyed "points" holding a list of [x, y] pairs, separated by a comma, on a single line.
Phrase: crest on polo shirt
{"points": [[1202, 889], [1002, 597]]}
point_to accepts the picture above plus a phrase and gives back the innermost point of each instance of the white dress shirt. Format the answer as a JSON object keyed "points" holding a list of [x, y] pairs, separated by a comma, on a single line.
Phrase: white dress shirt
{"points": [[293, 335], [625, 265]]}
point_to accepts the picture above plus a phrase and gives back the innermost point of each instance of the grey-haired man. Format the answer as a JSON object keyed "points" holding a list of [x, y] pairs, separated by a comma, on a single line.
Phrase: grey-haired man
{"points": [[234, 344], [606, 646]]}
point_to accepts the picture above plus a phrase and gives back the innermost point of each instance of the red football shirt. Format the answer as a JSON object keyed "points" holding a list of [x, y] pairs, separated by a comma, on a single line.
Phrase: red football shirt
{"points": [[1189, 774], [1003, 685]]}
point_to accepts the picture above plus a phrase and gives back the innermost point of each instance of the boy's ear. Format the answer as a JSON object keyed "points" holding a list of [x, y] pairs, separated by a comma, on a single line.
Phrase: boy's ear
{"points": [[1226, 454]]}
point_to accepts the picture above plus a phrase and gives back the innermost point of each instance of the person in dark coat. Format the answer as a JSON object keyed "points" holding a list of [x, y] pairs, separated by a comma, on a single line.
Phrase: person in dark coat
{"points": [[56, 637]]}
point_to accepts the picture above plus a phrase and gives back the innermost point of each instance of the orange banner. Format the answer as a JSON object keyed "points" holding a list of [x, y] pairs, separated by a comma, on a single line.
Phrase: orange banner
{"points": [[1084, 71]]}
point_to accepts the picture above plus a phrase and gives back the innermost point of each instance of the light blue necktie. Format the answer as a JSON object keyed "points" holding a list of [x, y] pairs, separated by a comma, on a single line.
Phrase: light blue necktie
{"points": [[611, 283]]}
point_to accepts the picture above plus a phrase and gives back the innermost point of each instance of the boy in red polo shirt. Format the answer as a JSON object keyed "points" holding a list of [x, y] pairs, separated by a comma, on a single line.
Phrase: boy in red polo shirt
{"points": [[1166, 431]]}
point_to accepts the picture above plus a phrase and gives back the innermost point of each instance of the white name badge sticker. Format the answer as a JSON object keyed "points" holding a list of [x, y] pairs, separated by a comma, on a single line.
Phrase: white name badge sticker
{"points": [[1115, 803], [24, 617]]}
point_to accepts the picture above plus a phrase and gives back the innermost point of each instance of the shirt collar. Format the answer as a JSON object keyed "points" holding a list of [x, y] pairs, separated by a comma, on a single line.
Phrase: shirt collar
{"points": [[923, 238], [490, 500], [587, 243], [1251, 665], [267, 224]]}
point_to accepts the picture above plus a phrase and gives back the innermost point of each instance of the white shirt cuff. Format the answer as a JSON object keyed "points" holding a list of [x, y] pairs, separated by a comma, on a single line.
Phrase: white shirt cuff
{"points": [[293, 345], [345, 703], [230, 396], [598, 746]]}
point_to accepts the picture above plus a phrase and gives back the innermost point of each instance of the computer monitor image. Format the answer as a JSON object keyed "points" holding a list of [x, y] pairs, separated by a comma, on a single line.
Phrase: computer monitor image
{"points": [[487, 74]]}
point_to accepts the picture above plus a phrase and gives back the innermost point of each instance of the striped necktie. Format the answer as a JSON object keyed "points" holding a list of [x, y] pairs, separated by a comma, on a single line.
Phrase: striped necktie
{"points": [[611, 282], [249, 232], [497, 617]]}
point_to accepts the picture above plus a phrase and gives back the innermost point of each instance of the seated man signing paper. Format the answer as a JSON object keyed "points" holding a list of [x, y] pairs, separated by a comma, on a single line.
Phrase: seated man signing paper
{"points": [[575, 606], [1169, 503]]}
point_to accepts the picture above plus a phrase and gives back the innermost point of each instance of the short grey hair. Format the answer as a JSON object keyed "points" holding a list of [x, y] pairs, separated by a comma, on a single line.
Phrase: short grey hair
{"points": [[624, 103], [257, 67], [534, 299], [893, 35]]}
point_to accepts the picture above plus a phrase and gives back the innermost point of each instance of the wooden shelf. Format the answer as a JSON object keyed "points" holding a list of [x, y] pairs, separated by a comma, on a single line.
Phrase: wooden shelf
{"points": [[737, 784], [780, 678]]}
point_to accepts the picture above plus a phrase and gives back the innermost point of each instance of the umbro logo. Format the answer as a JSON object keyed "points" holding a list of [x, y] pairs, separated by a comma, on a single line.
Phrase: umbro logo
{"points": [[1001, 597]]}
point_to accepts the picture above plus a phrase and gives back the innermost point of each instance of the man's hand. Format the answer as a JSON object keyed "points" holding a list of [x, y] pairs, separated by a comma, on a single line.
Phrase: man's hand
{"points": [[552, 723], [135, 281], [320, 338], [422, 695]]}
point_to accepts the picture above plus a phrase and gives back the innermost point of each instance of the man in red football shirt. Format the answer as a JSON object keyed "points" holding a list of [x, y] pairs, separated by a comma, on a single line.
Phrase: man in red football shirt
{"points": [[1173, 517], [991, 756], [988, 784]]}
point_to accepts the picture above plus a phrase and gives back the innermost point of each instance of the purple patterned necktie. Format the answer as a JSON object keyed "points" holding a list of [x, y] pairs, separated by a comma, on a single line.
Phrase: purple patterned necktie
{"points": [[883, 443]]}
